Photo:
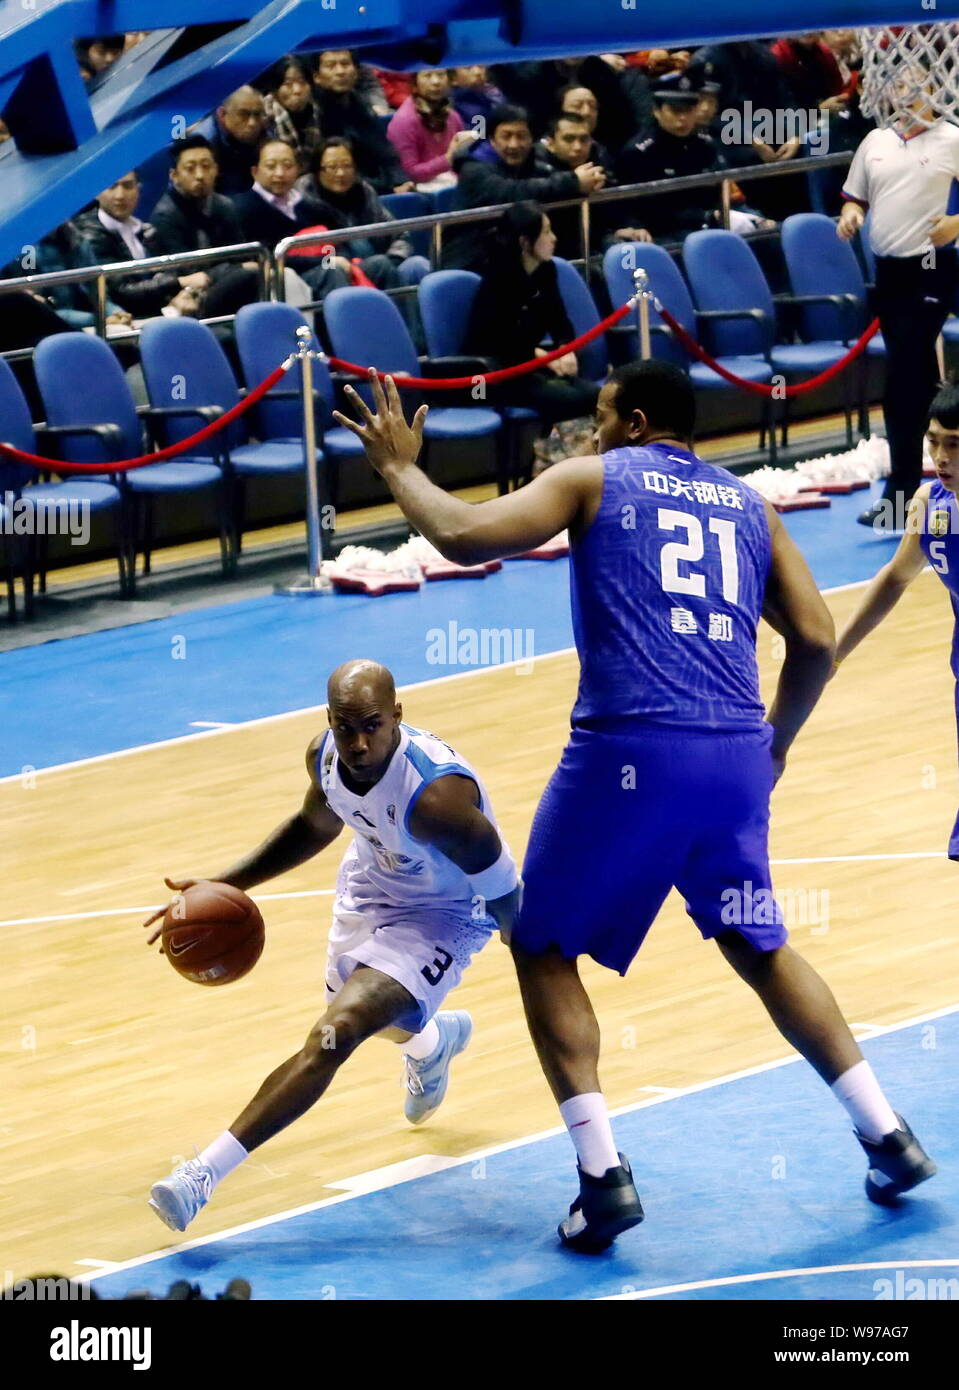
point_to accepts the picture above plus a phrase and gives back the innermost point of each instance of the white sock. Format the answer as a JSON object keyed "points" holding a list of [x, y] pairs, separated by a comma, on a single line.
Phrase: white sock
{"points": [[422, 1045], [223, 1155], [587, 1120], [859, 1092]]}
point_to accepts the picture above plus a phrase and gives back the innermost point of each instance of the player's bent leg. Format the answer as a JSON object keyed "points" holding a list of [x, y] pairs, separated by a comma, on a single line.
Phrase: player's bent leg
{"points": [[565, 1033], [561, 1021], [798, 1001], [368, 1002], [803, 1008]]}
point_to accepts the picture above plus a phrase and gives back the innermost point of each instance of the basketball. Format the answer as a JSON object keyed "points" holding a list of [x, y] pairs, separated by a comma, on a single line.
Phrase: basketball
{"points": [[213, 934]]}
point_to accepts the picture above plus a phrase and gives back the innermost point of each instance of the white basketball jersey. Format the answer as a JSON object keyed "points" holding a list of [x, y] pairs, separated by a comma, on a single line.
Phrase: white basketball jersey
{"points": [[386, 865]]}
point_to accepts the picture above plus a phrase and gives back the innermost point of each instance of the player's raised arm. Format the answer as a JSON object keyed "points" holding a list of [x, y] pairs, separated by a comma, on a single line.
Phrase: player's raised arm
{"points": [[448, 817], [465, 532], [887, 587], [795, 608], [294, 842]]}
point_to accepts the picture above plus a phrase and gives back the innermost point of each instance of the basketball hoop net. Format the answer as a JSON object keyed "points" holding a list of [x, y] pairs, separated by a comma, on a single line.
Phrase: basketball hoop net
{"points": [[910, 73]]}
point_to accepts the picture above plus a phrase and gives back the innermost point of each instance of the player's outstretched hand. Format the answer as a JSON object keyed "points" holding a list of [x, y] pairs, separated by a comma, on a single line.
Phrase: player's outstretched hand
{"points": [[178, 886], [385, 435]]}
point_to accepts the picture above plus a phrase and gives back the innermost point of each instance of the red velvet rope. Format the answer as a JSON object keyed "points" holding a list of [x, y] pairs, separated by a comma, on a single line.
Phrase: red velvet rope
{"points": [[124, 465], [759, 388], [453, 383]]}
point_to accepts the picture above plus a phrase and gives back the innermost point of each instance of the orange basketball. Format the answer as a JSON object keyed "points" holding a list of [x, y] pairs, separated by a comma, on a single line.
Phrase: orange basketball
{"points": [[212, 934]]}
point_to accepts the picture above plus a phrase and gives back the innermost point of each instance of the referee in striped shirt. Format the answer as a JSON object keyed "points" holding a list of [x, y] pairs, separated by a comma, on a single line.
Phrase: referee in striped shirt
{"points": [[903, 175]]}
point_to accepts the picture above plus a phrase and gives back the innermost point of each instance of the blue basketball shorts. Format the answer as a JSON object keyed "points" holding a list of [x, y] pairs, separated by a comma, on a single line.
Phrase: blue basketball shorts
{"points": [[634, 811]]}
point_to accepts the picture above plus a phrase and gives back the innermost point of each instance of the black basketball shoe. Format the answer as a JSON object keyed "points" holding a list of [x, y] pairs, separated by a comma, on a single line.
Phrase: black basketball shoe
{"points": [[896, 1164], [605, 1208]]}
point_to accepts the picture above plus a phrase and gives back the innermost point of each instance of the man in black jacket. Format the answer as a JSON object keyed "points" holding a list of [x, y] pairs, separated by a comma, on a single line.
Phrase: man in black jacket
{"points": [[674, 147], [234, 130], [343, 112], [505, 169], [114, 234], [568, 144], [275, 208], [190, 216]]}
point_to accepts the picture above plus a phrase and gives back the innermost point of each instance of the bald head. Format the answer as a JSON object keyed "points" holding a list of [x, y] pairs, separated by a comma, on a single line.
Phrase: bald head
{"points": [[361, 676], [243, 115], [364, 715]]}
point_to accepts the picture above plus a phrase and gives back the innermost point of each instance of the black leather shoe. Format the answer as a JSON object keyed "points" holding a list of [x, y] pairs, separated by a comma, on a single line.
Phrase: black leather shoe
{"points": [[896, 1164], [605, 1208]]}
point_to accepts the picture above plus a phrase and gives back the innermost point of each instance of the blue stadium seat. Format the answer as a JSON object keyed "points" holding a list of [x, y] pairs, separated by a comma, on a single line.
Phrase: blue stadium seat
{"points": [[189, 382], [265, 335], [19, 480], [666, 282], [411, 205], [365, 327], [581, 307], [732, 296], [88, 400], [446, 299], [827, 283]]}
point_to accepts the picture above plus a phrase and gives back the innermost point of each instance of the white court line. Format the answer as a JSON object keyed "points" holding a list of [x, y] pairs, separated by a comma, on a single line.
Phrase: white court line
{"points": [[494, 1149], [212, 724], [153, 907], [275, 718], [775, 1274], [328, 892], [314, 709]]}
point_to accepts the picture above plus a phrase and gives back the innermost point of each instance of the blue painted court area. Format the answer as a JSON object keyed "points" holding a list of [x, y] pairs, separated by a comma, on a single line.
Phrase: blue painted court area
{"points": [[106, 691], [756, 1175]]}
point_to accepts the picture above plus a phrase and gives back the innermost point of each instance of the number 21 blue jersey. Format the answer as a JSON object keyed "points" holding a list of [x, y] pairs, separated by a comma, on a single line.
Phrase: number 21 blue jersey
{"points": [[667, 591]]}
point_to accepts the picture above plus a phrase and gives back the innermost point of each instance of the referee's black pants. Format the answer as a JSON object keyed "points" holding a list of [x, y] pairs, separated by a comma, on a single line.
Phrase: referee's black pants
{"points": [[914, 296]]}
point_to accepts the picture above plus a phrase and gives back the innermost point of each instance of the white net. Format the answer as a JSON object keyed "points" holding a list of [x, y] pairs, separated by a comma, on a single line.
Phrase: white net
{"points": [[910, 73]]}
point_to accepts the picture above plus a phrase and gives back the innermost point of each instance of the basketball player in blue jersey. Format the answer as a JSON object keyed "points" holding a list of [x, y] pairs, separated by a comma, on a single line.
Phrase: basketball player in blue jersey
{"points": [[667, 775], [931, 536], [420, 890]]}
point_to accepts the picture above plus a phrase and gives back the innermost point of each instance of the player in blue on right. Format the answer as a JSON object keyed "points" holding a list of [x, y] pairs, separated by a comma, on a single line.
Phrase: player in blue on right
{"points": [[667, 775]]}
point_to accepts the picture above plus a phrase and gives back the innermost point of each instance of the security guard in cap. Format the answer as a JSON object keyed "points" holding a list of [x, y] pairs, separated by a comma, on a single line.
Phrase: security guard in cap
{"points": [[675, 147]]}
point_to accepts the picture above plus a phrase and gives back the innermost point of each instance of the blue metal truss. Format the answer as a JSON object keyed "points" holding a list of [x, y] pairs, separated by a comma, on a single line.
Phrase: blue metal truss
{"points": [[69, 142]]}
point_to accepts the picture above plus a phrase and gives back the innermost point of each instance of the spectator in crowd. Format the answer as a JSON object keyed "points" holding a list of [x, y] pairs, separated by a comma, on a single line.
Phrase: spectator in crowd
{"points": [[657, 62], [234, 131], [567, 145], [275, 208], [579, 101], [114, 234], [291, 110], [707, 113], [536, 87], [519, 305], [396, 86], [355, 203], [747, 72], [62, 249], [190, 216], [812, 72], [96, 55], [675, 148], [474, 96], [426, 132], [504, 169], [344, 112], [4, 132]]}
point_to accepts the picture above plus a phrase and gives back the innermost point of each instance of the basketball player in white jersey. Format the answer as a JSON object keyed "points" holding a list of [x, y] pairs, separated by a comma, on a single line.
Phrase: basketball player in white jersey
{"points": [[425, 882]]}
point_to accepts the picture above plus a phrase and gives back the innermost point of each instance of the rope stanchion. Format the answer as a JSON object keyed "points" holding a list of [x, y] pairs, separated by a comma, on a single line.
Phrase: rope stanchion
{"points": [[458, 383], [759, 388], [158, 455]]}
